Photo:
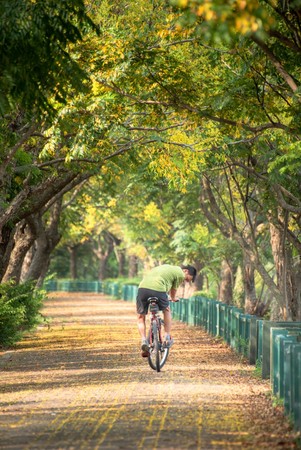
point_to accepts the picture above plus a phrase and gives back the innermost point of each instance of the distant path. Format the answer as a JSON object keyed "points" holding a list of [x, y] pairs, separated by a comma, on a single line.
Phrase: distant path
{"points": [[80, 384]]}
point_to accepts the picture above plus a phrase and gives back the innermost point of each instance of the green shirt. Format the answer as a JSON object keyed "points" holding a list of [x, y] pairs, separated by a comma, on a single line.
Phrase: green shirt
{"points": [[163, 278]]}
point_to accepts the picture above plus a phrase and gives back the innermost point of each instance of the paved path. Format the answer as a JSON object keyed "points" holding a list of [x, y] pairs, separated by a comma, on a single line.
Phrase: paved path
{"points": [[79, 383]]}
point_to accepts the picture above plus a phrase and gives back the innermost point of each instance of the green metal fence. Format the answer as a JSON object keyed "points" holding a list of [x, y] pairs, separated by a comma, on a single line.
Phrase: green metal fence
{"points": [[267, 342], [275, 346], [129, 292], [73, 286]]}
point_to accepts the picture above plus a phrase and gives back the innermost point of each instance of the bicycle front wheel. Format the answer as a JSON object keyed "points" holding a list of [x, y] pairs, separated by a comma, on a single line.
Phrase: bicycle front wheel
{"points": [[158, 353]]}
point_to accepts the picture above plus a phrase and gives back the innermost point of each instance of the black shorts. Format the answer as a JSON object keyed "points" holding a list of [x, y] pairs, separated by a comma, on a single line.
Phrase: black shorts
{"points": [[142, 296]]}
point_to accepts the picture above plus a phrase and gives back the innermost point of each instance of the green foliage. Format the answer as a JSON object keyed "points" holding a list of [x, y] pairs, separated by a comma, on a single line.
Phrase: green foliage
{"points": [[35, 61], [131, 281], [87, 267], [20, 307], [257, 373], [277, 402], [60, 264], [11, 320], [211, 293], [243, 346], [122, 281]]}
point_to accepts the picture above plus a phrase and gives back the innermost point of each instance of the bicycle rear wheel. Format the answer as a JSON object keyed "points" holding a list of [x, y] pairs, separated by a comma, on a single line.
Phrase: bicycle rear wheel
{"points": [[158, 353]]}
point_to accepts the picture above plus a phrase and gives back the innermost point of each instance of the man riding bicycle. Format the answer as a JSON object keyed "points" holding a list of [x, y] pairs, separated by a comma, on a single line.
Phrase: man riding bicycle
{"points": [[160, 282]]}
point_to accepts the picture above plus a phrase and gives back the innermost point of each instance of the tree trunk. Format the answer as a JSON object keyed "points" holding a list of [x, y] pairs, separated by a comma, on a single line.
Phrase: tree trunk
{"points": [[6, 247], [121, 263], [133, 266], [226, 284], [40, 256], [23, 240], [287, 274], [73, 261], [199, 280], [105, 246], [297, 316], [102, 264], [47, 240], [120, 255], [248, 274], [27, 262]]}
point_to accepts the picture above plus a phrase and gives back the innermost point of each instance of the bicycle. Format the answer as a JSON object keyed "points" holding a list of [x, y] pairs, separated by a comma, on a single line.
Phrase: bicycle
{"points": [[158, 351]]}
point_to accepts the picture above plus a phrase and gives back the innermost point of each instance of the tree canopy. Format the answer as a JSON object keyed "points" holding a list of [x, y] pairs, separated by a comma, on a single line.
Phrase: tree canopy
{"points": [[37, 68], [185, 118]]}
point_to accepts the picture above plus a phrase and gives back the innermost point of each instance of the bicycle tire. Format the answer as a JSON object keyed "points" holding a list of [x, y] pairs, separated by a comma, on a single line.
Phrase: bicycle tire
{"points": [[158, 354]]}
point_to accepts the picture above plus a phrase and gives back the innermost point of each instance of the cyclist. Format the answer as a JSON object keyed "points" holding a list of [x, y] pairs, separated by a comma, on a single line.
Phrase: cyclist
{"points": [[160, 282]]}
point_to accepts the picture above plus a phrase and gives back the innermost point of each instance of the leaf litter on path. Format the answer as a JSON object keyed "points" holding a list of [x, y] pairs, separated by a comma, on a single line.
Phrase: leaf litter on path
{"points": [[80, 382]]}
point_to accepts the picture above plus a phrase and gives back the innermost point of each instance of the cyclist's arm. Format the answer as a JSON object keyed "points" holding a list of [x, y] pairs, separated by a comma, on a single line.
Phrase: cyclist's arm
{"points": [[172, 294]]}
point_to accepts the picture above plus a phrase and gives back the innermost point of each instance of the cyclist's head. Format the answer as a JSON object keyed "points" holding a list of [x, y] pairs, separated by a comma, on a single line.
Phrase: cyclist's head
{"points": [[191, 270]]}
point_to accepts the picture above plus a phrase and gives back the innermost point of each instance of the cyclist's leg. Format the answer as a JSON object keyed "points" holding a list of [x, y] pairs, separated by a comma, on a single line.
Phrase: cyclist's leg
{"points": [[141, 325], [142, 331], [167, 320], [164, 306], [142, 308], [167, 327]]}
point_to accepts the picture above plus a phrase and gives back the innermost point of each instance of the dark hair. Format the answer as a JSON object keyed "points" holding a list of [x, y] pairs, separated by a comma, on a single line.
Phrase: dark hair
{"points": [[191, 270]]}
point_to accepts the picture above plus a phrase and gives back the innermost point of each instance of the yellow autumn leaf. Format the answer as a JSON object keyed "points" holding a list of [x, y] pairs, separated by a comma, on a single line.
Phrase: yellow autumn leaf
{"points": [[152, 213], [112, 203]]}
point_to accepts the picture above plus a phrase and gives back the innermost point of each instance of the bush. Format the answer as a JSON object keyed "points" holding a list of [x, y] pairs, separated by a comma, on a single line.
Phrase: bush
{"points": [[211, 294], [20, 307], [11, 320], [123, 281]]}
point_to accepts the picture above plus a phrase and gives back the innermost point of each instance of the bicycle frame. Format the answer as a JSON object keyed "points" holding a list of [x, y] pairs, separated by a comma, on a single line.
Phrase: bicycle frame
{"points": [[158, 351], [155, 317]]}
